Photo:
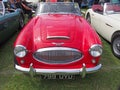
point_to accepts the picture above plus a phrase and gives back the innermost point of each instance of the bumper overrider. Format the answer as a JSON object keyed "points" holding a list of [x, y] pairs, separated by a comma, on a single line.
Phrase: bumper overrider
{"points": [[82, 71]]}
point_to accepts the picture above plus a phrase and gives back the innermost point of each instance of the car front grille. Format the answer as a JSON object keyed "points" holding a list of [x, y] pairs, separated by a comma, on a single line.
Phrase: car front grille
{"points": [[57, 55]]}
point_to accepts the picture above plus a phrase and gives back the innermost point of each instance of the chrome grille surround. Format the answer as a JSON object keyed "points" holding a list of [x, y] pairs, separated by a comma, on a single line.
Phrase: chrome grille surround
{"points": [[57, 55]]}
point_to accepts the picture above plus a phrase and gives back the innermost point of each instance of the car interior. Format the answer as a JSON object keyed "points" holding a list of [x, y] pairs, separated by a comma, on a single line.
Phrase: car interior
{"points": [[97, 8]]}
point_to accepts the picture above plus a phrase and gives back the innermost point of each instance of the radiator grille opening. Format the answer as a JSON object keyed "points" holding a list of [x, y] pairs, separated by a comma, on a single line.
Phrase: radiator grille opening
{"points": [[57, 55]]}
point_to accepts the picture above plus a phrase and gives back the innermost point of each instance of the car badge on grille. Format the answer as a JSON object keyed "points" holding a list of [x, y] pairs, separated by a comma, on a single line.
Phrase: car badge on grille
{"points": [[58, 44]]}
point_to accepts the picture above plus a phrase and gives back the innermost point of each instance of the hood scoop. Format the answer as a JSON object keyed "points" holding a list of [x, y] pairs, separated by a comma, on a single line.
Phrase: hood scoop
{"points": [[58, 34], [58, 37]]}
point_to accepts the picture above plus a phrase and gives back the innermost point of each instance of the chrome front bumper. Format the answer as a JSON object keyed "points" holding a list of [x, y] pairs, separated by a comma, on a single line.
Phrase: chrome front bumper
{"points": [[83, 71]]}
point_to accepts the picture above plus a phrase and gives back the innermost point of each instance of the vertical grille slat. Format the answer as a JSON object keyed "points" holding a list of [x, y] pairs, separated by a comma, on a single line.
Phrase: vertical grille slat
{"points": [[57, 55]]}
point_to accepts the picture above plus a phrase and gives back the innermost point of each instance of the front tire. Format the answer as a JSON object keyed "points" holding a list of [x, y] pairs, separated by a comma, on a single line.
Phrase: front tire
{"points": [[21, 22], [88, 18], [116, 45]]}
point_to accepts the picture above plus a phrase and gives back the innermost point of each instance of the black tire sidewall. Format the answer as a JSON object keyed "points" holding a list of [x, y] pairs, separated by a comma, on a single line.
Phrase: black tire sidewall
{"points": [[88, 18], [116, 36], [21, 25]]}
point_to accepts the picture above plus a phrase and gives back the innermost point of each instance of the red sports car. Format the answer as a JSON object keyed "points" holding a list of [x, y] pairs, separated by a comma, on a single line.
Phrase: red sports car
{"points": [[58, 40]]}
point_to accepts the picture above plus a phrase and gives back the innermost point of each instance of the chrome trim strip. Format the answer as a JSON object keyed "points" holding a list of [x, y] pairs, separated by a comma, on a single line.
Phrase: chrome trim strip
{"points": [[58, 37], [56, 48], [53, 71]]}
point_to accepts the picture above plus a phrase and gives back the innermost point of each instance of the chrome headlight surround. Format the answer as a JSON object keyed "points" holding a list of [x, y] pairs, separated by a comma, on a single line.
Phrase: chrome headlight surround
{"points": [[20, 51], [95, 50]]}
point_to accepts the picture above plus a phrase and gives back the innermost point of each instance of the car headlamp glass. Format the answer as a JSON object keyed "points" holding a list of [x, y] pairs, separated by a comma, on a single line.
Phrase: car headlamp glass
{"points": [[96, 50], [20, 51]]}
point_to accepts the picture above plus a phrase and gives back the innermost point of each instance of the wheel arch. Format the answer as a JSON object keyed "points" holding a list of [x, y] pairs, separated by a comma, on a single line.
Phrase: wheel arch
{"points": [[88, 17], [116, 33], [87, 14]]}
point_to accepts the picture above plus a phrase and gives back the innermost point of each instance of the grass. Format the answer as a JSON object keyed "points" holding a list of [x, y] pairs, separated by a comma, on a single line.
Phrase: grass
{"points": [[108, 78]]}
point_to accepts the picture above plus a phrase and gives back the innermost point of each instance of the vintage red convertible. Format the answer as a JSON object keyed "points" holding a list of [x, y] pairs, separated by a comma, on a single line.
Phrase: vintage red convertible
{"points": [[58, 40]]}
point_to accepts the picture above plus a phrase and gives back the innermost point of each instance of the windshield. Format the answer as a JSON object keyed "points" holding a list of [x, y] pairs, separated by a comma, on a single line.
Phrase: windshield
{"points": [[59, 7], [112, 8]]}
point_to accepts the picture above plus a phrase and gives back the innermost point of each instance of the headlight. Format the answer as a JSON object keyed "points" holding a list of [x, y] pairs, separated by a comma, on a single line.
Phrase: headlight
{"points": [[95, 50], [20, 51]]}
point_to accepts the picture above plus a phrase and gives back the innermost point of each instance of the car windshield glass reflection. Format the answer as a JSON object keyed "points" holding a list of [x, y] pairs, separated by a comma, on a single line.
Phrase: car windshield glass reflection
{"points": [[57, 8]]}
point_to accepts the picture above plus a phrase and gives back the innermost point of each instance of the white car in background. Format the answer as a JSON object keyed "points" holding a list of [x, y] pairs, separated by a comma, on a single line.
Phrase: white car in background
{"points": [[33, 4], [105, 18], [34, 1]]}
